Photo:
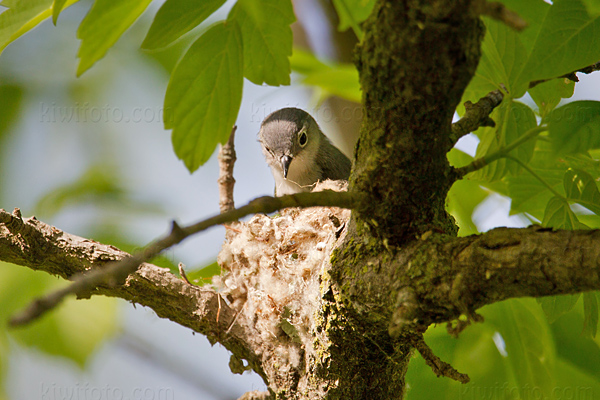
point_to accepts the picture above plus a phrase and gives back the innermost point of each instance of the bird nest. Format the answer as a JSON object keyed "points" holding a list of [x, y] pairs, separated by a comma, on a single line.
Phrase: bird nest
{"points": [[272, 268]]}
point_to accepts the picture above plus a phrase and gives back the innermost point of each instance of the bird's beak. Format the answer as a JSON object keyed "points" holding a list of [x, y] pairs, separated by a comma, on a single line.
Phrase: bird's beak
{"points": [[285, 164]]}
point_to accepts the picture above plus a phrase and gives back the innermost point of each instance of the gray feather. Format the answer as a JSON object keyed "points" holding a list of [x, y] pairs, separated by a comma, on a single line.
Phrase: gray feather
{"points": [[312, 160]]}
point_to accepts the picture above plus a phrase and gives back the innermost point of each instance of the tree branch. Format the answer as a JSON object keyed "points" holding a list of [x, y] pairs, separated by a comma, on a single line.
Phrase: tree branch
{"points": [[116, 273], [473, 271], [42, 247], [476, 115]]}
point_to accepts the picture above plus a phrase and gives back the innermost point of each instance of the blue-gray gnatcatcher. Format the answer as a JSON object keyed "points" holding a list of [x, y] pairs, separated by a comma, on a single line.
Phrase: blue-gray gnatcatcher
{"points": [[299, 154]]}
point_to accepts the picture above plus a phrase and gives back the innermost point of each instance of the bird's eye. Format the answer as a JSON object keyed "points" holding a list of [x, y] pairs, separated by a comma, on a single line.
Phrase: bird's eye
{"points": [[303, 139]]}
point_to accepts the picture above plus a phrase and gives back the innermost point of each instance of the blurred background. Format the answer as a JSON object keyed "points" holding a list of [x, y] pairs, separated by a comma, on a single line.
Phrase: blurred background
{"points": [[90, 156]]}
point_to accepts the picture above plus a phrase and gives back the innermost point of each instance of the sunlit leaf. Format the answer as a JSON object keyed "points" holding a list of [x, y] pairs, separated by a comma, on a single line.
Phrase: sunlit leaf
{"points": [[204, 94], [503, 57], [337, 79], [103, 26], [590, 314], [513, 119], [568, 40], [548, 94], [530, 350], [464, 196], [352, 12], [57, 7], [534, 13], [177, 17], [22, 16], [575, 127], [556, 306], [559, 215], [581, 187], [530, 193], [581, 351], [592, 6], [267, 38]]}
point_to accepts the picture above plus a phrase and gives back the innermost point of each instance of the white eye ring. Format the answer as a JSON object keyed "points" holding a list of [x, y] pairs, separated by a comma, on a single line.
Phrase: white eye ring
{"points": [[303, 139]]}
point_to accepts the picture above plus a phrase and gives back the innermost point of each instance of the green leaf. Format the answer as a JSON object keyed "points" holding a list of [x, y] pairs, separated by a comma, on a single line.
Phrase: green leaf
{"points": [[505, 52], [204, 275], [267, 37], [559, 215], [575, 127], [556, 306], [464, 196], [581, 188], [103, 26], [548, 94], [581, 351], [338, 79], [503, 57], [459, 158], [57, 7], [529, 193], [513, 119], [22, 16], [573, 383], [177, 17], [73, 330], [531, 358], [352, 13], [592, 6], [10, 104], [568, 40], [532, 11], [305, 62], [204, 94], [590, 314]]}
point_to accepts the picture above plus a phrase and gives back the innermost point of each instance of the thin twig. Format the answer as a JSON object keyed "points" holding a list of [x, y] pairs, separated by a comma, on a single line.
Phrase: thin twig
{"points": [[500, 12], [116, 273], [226, 181], [476, 115], [439, 367]]}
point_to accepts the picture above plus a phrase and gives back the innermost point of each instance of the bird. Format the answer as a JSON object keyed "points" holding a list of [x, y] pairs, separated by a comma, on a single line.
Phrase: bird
{"points": [[298, 152]]}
